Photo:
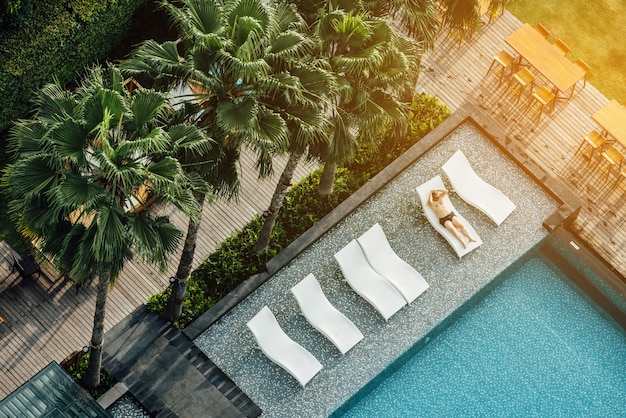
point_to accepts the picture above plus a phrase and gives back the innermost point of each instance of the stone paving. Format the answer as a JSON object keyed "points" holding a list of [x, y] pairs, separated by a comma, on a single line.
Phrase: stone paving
{"points": [[452, 282]]}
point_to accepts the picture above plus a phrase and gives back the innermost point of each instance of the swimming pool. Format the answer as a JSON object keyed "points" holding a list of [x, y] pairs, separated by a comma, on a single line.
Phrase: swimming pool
{"points": [[533, 346]]}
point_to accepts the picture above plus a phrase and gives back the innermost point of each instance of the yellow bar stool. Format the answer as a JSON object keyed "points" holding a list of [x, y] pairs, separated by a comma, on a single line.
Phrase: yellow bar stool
{"points": [[501, 61], [610, 157], [519, 81], [541, 98], [583, 65], [594, 140], [561, 46], [542, 30]]}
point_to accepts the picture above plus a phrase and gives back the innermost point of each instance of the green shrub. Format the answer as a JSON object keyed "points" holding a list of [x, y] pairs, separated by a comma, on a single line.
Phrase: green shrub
{"points": [[59, 40], [107, 381], [234, 261], [14, 13], [197, 301]]}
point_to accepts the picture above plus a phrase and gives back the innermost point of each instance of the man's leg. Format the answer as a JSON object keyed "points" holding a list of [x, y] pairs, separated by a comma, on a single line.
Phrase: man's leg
{"points": [[461, 227], [450, 227]]}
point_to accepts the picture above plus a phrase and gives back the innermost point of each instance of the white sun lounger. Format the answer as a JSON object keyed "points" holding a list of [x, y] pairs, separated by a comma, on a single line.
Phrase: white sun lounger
{"points": [[281, 349], [424, 191], [366, 282], [388, 264], [324, 316], [475, 191]]}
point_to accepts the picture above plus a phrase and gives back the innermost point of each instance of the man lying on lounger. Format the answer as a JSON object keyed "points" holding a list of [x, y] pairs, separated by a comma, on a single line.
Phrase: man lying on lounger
{"points": [[447, 218]]}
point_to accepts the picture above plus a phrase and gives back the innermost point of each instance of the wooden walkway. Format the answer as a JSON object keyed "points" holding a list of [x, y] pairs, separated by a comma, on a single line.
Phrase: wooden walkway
{"points": [[457, 75], [46, 320]]}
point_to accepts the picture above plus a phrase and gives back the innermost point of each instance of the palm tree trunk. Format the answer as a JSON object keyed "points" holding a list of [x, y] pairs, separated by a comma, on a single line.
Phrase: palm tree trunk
{"points": [[263, 242], [92, 376], [327, 180], [174, 308]]}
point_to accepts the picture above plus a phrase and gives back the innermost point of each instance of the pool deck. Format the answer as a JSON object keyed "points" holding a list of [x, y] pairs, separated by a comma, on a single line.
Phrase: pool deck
{"points": [[452, 281]]}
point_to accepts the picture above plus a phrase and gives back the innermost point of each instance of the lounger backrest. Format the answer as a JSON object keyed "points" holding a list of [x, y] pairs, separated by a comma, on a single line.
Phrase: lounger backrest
{"points": [[354, 265], [375, 241], [310, 297], [268, 333], [327, 319], [281, 349]]}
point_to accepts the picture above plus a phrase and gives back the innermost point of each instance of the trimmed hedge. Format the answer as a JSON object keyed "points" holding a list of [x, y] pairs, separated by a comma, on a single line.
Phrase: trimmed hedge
{"points": [[234, 261], [59, 40], [13, 13]]}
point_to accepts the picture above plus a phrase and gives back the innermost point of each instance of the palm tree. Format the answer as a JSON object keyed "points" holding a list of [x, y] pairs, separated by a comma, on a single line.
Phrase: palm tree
{"points": [[372, 65], [237, 58], [79, 162], [304, 113], [415, 18]]}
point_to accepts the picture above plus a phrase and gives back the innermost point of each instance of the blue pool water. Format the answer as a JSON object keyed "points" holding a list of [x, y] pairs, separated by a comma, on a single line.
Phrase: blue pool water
{"points": [[532, 347]]}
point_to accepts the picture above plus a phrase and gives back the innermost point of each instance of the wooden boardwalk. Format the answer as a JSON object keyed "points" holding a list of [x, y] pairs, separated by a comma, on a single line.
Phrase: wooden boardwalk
{"points": [[457, 75], [46, 320]]}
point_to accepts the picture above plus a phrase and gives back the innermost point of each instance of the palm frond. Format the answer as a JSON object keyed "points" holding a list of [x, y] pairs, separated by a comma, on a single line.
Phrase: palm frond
{"points": [[163, 172], [111, 236], [288, 18], [54, 103], [27, 137], [205, 17], [264, 163], [70, 139], [393, 69], [146, 106], [236, 116], [272, 131], [184, 200], [77, 191], [253, 9], [156, 61], [290, 44], [102, 107], [343, 142], [282, 88], [30, 176], [154, 239], [315, 81], [188, 138]]}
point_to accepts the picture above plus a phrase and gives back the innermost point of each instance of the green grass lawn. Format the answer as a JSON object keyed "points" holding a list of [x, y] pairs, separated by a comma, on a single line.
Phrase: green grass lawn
{"points": [[594, 30]]}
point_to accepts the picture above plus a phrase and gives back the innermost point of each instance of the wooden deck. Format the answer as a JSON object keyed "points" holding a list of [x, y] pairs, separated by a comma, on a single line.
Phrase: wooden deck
{"points": [[46, 320], [457, 75]]}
